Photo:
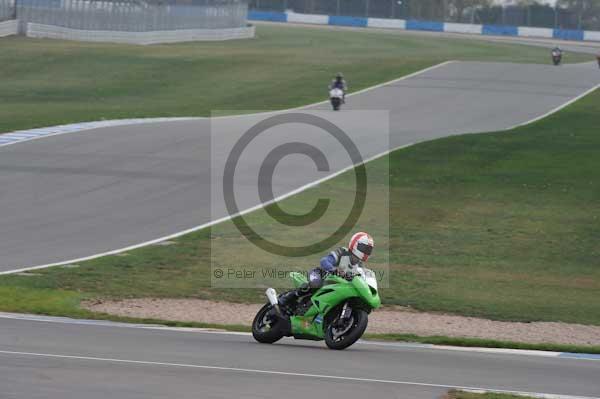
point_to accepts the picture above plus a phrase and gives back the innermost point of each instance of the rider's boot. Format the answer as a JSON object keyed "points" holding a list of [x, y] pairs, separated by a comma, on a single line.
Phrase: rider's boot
{"points": [[289, 297]]}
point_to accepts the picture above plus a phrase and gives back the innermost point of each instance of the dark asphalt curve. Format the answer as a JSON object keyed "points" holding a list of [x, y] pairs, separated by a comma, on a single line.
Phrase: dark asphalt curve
{"points": [[56, 361], [75, 195]]}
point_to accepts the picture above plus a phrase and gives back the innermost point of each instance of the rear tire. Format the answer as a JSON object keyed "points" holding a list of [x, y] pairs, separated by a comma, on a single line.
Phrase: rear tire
{"points": [[264, 332], [360, 320]]}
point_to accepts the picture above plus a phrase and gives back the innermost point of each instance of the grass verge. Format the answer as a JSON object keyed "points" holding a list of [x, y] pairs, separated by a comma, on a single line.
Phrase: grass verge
{"points": [[484, 343], [457, 394], [50, 82]]}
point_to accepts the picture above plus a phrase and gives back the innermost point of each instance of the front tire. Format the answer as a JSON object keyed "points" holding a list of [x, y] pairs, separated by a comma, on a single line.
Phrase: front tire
{"points": [[359, 320], [335, 103], [265, 329]]}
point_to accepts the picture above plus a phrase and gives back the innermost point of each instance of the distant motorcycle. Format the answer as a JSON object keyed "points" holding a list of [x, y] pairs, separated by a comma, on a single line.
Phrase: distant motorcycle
{"points": [[598, 59], [556, 57], [336, 96]]}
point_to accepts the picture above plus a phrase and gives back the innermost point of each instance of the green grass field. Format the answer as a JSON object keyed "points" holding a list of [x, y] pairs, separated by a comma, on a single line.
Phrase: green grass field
{"points": [[456, 394], [49, 82], [502, 225]]}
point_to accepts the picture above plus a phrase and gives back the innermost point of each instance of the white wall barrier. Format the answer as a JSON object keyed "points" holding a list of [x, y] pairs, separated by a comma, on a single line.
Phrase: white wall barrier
{"points": [[155, 37], [559, 34], [591, 35], [386, 23], [535, 32], [463, 28], [307, 18], [8, 28]]}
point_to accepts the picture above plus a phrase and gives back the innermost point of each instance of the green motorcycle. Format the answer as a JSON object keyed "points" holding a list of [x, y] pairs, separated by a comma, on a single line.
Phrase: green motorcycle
{"points": [[337, 312]]}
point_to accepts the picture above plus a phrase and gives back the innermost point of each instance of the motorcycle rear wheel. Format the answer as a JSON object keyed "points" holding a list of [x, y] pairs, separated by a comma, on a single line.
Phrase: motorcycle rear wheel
{"points": [[359, 320], [264, 330]]}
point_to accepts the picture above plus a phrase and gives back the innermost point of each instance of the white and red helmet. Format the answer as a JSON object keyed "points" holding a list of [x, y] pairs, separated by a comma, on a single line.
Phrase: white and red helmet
{"points": [[361, 245]]}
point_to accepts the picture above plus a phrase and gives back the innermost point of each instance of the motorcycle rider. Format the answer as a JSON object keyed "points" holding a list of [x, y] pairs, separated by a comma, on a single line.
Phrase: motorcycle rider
{"points": [[339, 83], [557, 52], [342, 261]]}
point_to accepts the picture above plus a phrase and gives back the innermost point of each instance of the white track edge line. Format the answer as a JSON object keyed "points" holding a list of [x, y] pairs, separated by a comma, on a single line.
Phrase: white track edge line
{"points": [[555, 110], [285, 373], [217, 331]]}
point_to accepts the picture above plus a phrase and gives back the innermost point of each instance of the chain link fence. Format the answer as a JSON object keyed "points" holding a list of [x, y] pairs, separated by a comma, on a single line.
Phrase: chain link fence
{"points": [[535, 15], [128, 16], [7, 10]]}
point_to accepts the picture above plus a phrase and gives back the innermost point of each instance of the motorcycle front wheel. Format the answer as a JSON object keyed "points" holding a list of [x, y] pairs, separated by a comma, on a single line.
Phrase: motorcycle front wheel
{"points": [[335, 103], [340, 334], [266, 329]]}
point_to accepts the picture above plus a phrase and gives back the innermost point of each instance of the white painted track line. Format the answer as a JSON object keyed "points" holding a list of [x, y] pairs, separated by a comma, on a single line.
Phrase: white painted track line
{"points": [[282, 373]]}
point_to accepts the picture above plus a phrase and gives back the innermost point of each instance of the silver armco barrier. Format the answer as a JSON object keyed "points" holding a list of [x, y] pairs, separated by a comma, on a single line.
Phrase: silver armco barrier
{"points": [[92, 20], [148, 37], [7, 10], [8, 28]]}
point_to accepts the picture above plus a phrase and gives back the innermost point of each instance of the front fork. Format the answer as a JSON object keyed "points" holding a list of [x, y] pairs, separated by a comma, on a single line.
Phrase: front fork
{"points": [[286, 328], [342, 325], [272, 296], [346, 312]]}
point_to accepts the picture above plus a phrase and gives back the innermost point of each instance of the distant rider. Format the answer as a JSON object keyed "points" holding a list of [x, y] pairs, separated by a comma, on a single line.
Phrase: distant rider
{"points": [[339, 83], [556, 51], [342, 261]]}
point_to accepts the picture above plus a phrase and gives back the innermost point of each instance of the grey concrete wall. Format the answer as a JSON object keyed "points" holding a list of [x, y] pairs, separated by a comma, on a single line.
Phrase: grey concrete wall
{"points": [[155, 37], [8, 28]]}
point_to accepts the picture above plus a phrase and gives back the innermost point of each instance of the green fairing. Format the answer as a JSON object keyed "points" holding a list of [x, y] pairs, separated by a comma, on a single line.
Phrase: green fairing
{"points": [[335, 291]]}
